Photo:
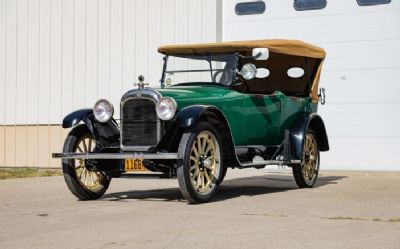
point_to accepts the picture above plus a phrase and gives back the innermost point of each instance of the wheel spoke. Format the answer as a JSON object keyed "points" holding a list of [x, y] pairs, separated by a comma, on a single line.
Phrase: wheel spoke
{"points": [[199, 145], [203, 146], [85, 149], [208, 149], [194, 150], [79, 148], [207, 177], [90, 145]]}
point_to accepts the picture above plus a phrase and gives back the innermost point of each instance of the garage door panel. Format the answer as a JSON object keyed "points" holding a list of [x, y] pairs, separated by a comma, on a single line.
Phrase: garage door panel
{"points": [[361, 86], [362, 120], [309, 29], [367, 153]]}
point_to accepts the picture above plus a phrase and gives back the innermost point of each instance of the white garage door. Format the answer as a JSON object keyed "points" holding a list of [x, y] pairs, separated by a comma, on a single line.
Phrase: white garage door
{"points": [[361, 73]]}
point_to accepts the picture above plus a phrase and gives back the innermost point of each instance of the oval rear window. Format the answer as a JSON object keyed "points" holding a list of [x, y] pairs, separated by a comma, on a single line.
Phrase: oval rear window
{"points": [[250, 8], [295, 72], [262, 73]]}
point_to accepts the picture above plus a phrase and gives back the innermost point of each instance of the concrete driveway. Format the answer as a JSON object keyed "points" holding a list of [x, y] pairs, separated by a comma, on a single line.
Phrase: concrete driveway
{"points": [[253, 209]]}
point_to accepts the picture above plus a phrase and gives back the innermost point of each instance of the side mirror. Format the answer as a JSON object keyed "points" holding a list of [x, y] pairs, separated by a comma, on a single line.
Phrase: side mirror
{"points": [[261, 54]]}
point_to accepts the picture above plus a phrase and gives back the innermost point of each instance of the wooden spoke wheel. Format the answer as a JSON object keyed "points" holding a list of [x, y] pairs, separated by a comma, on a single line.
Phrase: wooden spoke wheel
{"points": [[306, 173], [90, 179], [83, 182], [201, 170]]}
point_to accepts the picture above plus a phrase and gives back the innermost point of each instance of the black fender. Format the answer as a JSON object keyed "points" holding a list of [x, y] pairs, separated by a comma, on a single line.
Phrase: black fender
{"points": [[191, 115], [299, 128], [76, 117], [107, 134]]}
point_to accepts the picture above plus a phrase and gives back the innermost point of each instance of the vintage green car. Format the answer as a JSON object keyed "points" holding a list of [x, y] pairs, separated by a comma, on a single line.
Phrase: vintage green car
{"points": [[220, 105]]}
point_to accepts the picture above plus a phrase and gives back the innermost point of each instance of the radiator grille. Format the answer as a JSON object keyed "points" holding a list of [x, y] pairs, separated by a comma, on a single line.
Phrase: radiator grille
{"points": [[139, 123]]}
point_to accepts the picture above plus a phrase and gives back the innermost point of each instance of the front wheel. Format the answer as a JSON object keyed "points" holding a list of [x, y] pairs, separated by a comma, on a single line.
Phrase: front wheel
{"points": [[83, 182], [201, 170], [306, 173]]}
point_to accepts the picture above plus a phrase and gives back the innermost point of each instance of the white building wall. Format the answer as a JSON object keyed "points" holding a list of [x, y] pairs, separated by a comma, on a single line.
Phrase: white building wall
{"points": [[60, 55], [57, 56], [361, 72]]}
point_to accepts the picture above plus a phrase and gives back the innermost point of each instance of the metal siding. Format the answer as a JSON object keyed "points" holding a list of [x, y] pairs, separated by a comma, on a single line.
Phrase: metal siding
{"points": [[55, 90], [3, 69], [360, 73], [57, 56]]}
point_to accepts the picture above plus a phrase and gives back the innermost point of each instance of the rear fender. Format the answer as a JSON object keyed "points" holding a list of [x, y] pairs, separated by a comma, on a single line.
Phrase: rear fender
{"points": [[299, 129]]}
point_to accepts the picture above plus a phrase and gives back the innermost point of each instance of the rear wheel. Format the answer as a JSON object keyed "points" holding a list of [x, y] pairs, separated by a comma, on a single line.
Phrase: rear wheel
{"points": [[83, 182], [201, 170], [306, 173]]}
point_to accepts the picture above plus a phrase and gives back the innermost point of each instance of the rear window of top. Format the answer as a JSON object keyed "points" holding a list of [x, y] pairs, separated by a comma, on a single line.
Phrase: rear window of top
{"points": [[309, 4], [250, 8], [372, 2]]}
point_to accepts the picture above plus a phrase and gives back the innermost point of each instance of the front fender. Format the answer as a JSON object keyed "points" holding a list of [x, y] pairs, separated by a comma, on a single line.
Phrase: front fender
{"points": [[190, 115], [299, 129], [106, 134], [76, 117]]}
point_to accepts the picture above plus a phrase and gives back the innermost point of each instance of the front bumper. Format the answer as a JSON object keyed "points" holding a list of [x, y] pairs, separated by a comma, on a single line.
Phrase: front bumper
{"points": [[122, 155]]}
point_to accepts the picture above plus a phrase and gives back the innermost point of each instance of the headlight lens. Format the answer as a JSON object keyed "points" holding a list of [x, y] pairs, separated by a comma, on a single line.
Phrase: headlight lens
{"points": [[248, 71], [166, 108], [103, 110]]}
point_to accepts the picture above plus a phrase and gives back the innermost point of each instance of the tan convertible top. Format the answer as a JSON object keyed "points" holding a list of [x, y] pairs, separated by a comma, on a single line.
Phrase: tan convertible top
{"points": [[291, 47]]}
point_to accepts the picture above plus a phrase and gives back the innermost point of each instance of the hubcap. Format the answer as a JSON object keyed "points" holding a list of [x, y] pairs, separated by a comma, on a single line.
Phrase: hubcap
{"points": [[90, 179], [310, 159], [204, 163]]}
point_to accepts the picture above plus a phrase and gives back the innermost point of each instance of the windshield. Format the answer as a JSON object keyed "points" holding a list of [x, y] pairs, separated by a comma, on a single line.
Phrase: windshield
{"points": [[198, 69]]}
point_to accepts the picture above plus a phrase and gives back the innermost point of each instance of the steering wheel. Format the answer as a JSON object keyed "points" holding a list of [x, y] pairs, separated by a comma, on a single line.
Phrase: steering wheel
{"points": [[224, 76]]}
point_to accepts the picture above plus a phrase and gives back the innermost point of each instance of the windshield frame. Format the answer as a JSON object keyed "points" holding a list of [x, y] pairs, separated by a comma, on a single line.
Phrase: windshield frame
{"points": [[235, 58]]}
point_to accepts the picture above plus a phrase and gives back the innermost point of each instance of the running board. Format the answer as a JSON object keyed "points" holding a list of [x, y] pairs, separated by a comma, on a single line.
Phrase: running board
{"points": [[270, 162], [122, 155]]}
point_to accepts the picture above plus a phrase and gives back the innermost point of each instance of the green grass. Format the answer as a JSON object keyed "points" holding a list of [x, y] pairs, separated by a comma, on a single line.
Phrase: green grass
{"points": [[11, 173]]}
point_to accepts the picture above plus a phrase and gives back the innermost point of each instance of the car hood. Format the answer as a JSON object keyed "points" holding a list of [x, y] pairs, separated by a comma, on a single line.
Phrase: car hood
{"points": [[202, 95]]}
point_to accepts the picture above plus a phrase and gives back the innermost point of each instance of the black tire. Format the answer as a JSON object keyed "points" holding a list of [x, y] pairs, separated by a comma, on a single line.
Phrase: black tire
{"points": [[82, 189], [306, 173], [210, 171]]}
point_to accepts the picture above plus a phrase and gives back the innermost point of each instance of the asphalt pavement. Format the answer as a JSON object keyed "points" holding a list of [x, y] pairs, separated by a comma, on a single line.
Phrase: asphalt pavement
{"points": [[253, 209]]}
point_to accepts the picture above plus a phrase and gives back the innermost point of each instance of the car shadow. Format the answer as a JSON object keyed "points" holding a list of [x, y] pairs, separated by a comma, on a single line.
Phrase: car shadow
{"points": [[229, 189]]}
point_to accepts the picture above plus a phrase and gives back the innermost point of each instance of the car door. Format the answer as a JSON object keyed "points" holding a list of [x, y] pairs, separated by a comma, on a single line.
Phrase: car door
{"points": [[262, 118]]}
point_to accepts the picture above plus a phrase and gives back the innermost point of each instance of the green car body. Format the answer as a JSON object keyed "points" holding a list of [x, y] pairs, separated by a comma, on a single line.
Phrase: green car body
{"points": [[254, 119]]}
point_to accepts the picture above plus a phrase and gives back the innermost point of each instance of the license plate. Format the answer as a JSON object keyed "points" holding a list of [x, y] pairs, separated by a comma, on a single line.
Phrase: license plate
{"points": [[134, 165]]}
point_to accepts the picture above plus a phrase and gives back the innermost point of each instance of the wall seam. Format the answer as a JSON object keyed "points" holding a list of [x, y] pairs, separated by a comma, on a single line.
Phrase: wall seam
{"points": [[85, 57], [38, 90], [50, 73], [5, 77], [27, 76], [16, 80], [109, 49], [97, 51]]}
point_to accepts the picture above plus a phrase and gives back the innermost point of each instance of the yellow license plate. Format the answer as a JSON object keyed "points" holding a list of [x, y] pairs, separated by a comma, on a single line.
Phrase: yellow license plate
{"points": [[134, 165]]}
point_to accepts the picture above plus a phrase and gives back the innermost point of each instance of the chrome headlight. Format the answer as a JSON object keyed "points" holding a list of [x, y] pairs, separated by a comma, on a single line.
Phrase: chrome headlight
{"points": [[248, 71], [166, 108], [103, 110]]}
